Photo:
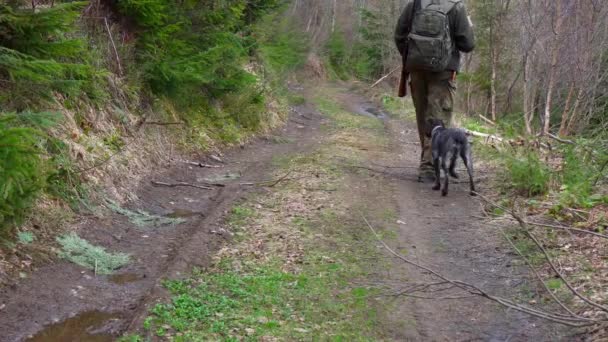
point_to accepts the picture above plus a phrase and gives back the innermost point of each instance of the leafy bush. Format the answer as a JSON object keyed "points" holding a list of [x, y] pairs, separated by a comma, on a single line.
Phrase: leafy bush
{"points": [[22, 170], [527, 174]]}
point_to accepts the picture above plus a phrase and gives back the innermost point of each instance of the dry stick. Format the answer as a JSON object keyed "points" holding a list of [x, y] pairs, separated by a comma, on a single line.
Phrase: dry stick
{"points": [[384, 77], [472, 289], [271, 183], [538, 275], [173, 185], [487, 120], [528, 233], [553, 226], [542, 248], [105, 20], [201, 164], [564, 141], [545, 225]]}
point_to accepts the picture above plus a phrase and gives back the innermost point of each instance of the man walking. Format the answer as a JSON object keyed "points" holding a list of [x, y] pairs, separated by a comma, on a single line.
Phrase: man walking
{"points": [[430, 36]]}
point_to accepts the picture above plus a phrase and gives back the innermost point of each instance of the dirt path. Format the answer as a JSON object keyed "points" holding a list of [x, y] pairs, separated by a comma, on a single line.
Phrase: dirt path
{"points": [[77, 305], [68, 300]]}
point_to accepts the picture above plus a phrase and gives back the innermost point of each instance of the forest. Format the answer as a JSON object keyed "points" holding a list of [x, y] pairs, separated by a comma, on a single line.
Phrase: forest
{"points": [[129, 127]]}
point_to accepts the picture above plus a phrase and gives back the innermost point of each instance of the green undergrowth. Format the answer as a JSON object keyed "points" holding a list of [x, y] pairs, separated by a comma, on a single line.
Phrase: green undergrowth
{"points": [[572, 175], [247, 296], [398, 108], [95, 258], [261, 300], [217, 66], [143, 219], [342, 119]]}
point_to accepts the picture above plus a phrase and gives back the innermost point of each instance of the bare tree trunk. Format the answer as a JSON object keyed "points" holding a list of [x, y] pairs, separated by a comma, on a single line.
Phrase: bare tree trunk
{"points": [[493, 77], [574, 115], [528, 112], [333, 17], [563, 127], [553, 67]]}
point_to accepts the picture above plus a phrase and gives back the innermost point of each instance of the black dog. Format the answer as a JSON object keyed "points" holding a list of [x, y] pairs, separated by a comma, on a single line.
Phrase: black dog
{"points": [[449, 143]]}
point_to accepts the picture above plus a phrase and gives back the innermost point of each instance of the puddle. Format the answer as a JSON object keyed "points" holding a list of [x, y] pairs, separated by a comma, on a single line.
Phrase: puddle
{"points": [[78, 328], [184, 213], [379, 113], [125, 278], [369, 110], [222, 177]]}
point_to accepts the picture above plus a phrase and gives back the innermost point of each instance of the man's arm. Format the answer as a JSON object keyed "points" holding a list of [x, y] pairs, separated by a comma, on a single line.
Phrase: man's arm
{"points": [[463, 31], [403, 27]]}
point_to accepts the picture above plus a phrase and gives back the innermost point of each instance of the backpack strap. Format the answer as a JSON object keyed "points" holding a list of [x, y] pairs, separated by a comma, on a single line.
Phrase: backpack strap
{"points": [[444, 6]]}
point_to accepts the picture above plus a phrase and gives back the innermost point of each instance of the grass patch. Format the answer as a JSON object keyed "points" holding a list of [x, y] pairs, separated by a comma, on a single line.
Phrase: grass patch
{"points": [[341, 119], [398, 108], [296, 100], [81, 252], [261, 301], [143, 219]]}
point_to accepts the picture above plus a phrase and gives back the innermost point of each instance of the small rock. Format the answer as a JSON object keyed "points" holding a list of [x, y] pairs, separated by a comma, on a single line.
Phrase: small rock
{"points": [[263, 320], [250, 331]]}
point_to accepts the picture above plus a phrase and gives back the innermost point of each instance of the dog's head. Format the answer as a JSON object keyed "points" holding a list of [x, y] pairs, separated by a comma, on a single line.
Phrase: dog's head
{"points": [[431, 124]]}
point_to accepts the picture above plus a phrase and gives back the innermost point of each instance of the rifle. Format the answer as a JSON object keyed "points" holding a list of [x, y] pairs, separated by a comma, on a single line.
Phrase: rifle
{"points": [[404, 73], [404, 76]]}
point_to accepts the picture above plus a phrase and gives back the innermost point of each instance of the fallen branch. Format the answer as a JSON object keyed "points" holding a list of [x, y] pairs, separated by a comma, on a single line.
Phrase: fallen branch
{"points": [[560, 275], [174, 185], [474, 290], [271, 183], [201, 164], [384, 77], [529, 234], [564, 141], [486, 136], [105, 20], [487, 120], [537, 275]]}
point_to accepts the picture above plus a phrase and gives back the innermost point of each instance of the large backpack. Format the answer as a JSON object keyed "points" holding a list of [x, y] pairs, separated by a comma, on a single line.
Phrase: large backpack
{"points": [[430, 44]]}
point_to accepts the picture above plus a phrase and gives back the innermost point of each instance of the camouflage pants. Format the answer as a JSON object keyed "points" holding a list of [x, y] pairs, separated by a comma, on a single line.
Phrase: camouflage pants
{"points": [[433, 96]]}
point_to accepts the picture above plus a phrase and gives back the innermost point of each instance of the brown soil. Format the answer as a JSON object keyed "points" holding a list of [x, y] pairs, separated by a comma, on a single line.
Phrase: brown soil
{"points": [[62, 292], [63, 302]]}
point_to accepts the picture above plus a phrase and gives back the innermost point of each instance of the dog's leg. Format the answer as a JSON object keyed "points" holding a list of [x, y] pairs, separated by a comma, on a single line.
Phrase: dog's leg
{"points": [[437, 185], [468, 162], [446, 181], [453, 163]]}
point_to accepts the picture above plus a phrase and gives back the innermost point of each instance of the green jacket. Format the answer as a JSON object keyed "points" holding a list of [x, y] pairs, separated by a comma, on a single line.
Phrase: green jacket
{"points": [[460, 26]]}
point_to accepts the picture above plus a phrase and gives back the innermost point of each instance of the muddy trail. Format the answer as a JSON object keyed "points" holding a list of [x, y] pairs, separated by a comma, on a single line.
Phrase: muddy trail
{"points": [[64, 302]]}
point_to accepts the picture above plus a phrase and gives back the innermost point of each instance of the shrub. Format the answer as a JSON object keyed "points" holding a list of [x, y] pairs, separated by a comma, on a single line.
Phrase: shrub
{"points": [[527, 174], [40, 54], [337, 54], [22, 170], [577, 177]]}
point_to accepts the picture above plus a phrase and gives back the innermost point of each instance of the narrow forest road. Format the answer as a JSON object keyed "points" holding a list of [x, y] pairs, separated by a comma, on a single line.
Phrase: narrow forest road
{"points": [[340, 160]]}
